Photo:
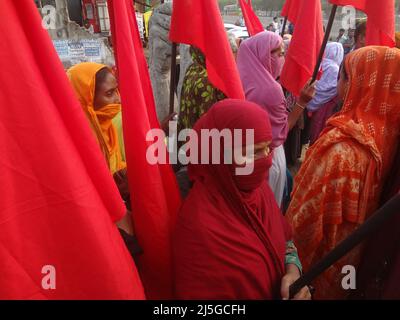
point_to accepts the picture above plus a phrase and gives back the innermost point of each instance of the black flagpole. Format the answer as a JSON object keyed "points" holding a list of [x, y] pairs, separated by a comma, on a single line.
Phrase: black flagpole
{"points": [[388, 211], [284, 27], [325, 42], [173, 79]]}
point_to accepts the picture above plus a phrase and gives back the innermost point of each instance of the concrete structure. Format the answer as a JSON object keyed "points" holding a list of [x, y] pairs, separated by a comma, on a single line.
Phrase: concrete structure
{"points": [[160, 58], [73, 42]]}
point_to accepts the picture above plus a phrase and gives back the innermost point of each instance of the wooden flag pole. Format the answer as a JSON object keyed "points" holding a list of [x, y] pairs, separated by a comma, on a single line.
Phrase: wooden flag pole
{"points": [[284, 26], [388, 211], [173, 79], [325, 42]]}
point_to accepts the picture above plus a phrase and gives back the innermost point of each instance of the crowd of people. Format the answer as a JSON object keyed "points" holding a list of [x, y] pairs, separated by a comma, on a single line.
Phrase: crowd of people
{"points": [[251, 237]]}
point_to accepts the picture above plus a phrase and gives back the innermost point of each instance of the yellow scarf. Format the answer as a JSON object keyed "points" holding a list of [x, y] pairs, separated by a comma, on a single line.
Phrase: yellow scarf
{"points": [[83, 79]]}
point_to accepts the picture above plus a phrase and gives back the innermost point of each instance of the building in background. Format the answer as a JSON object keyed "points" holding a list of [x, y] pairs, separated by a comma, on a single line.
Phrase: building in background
{"points": [[80, 30], [89, 14], [96, 12]]}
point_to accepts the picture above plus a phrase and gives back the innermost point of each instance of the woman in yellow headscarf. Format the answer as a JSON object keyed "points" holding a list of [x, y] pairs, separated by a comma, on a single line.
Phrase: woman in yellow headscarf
{"points": [[97, 90]]}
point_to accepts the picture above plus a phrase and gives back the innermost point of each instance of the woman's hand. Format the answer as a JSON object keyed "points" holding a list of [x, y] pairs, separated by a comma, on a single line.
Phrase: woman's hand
{"points": [[307, 93], [292, 274]]}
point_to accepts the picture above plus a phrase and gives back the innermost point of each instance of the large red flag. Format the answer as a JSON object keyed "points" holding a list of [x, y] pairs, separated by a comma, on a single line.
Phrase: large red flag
{"points": [[304, 47], [58, 199], [381, 25], [358, 4], [154, 191], [291, 10], [199, 23], [253, 24]]}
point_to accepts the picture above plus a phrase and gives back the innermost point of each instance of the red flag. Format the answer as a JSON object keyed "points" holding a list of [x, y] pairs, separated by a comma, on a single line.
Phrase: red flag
{"points": [[154, 191], [291, 10], [58, 199], [381, 25], [253, 24], [304, 47], [358, 4], [199, 23]]}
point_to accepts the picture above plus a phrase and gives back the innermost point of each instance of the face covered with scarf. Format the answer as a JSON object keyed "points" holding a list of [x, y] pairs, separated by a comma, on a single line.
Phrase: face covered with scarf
{"points": [[369, 86], [97, 91], [234, 115], [260, 62]]}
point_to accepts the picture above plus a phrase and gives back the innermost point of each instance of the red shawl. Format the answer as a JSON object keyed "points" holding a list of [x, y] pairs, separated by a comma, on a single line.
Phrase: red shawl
{"points": [[229, 244]]}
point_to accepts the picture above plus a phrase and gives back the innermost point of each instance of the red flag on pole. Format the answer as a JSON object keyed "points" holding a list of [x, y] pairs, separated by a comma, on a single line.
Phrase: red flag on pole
{"points": [[253, 24], [381, 25], [358, 4], [58, 199], [291, 10], [199, 23], [154, 191], [304, 47]]}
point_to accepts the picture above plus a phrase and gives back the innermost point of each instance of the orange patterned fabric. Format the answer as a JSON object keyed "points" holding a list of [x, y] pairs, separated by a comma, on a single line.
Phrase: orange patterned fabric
{"points": [[339, 184]]}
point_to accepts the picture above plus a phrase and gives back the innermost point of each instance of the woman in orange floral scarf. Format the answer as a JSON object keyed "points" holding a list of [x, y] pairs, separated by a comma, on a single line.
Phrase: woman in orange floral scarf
{"points": [[339, 185]]}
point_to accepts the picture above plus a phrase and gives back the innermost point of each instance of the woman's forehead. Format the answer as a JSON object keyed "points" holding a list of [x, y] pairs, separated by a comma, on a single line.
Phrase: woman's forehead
{"points": [[110, 81]]}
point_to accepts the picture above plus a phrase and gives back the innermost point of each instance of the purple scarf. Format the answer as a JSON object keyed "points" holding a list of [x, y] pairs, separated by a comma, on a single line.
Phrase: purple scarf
{"points": [[258, 71], [326, 88]]}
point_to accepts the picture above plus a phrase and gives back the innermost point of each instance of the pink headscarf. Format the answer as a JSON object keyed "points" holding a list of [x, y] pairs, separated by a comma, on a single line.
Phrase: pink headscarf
{"points": [[258, 71]]}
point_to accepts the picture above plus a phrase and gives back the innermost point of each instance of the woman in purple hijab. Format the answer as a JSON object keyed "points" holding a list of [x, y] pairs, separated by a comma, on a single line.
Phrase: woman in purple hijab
{"points": [[325, 100], [260, 61]]}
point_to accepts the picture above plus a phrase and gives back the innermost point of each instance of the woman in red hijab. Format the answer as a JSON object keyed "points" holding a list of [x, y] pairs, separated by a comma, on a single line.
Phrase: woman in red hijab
{"points": [[231, 241]]}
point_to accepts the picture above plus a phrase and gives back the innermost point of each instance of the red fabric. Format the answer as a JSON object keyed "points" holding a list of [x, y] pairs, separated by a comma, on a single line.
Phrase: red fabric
{"points": [[199, 23], [381, 25], [291, 10], [358, 4], [305, 46], [253, 24], [58, 199], [154, 191], [230, 244]]}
